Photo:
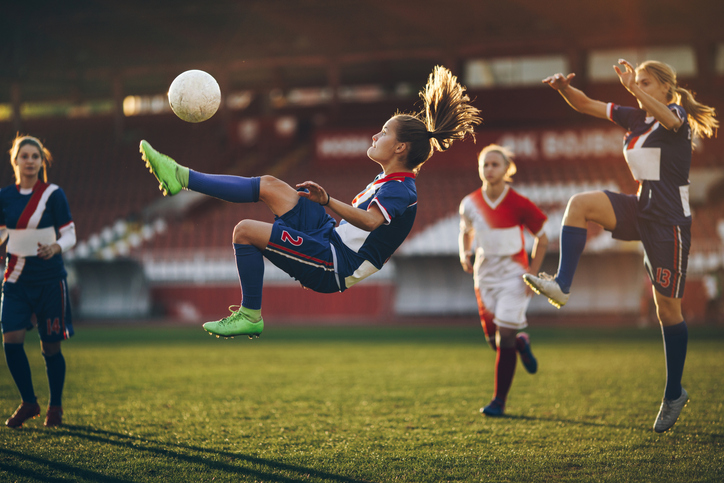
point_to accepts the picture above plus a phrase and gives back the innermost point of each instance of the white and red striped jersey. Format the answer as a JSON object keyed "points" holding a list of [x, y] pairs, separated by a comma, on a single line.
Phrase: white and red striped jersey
{"points": [[498, 225]]}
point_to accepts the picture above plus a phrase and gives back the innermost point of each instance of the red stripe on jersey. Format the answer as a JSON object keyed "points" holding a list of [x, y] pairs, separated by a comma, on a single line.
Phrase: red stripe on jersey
{"points": [[513, 210], [395, 177], [676, 263], [63, 290], [300, 255], [633, 140], [385, 179], [32, 205], [12, 261]]}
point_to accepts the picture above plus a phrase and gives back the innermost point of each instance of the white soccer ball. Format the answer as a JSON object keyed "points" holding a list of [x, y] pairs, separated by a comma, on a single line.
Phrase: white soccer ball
{"points": [[194, 96]]}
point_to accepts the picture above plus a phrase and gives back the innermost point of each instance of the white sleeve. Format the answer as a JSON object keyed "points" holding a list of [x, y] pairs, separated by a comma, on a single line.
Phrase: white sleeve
{"points": [[67, 237]]}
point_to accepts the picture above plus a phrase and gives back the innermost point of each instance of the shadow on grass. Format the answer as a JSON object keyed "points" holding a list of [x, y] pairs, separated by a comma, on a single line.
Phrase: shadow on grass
{"points": [[166, 450], [596, 424], [554, 419], [54, 466]]}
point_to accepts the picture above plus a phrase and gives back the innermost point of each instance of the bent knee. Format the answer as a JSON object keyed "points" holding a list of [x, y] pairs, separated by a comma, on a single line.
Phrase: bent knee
{"points": [[241, 230], [668, 310], [669, 315]]}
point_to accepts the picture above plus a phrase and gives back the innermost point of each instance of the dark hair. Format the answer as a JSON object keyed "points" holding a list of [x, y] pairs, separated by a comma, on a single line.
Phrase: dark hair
{"points": [[20, 141], [447, 115]]}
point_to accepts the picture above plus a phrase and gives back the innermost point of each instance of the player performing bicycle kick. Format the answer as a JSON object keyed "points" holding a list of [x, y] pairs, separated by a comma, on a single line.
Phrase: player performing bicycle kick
{"points": [[303, 241]]}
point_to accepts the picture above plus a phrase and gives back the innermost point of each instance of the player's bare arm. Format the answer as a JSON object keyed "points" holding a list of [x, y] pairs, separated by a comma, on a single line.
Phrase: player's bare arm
{"points": [[540, 247], [465, 243], [367, 220], [575, 97]]}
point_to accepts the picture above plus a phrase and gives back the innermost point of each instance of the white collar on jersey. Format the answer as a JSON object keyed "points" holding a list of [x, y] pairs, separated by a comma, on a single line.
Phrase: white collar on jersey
{"points": [[494, 204]]}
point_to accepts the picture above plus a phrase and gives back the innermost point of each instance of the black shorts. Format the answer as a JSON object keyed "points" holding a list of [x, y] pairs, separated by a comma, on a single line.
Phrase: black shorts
{"points": [[666, 247]]}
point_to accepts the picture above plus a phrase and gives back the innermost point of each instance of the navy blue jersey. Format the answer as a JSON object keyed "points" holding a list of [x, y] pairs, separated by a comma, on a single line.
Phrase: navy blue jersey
{"points": [[32, 218], [361, 253], [659, 160]]}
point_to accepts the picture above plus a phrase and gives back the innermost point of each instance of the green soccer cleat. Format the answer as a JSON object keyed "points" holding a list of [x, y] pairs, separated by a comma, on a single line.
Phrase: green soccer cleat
{"points": [[238, 323], [165, 169]]}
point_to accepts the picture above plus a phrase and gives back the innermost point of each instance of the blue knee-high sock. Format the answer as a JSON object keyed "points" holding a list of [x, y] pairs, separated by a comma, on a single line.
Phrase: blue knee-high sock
{"points": [[20, 370], [676, 338], [573, 241], [250, 264], [235, 189], [55, 368]]}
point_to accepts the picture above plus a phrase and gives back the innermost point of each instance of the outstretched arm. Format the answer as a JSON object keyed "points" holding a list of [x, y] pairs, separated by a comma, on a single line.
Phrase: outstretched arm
{"points": [[575, 97], [655, 108], [366, 220]]}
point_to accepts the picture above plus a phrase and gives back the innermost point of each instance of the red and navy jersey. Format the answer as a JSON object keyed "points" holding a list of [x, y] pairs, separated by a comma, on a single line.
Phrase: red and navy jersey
{"points": [[360, 252], [659, 160], [498, 226], [30, 217]]}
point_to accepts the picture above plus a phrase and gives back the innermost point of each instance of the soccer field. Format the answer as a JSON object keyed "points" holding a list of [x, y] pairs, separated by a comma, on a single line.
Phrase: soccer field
{"points": [[365, 404]]}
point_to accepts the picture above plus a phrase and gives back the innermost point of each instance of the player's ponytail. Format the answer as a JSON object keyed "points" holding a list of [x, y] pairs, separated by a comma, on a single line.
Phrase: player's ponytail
{"points": [[447, 116], [701, 117], [22, 140]]}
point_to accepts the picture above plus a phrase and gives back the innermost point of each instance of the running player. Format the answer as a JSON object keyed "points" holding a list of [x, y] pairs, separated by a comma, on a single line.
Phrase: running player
{"points": [[491, 232], [35, 219], [304, 241], [657, 148]]}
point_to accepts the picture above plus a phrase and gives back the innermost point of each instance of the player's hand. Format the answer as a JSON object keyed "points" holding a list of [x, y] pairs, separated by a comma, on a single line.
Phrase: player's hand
{"points": [[559, 81], [467, 262], [46, 252], [315, 192], [627, 76]]}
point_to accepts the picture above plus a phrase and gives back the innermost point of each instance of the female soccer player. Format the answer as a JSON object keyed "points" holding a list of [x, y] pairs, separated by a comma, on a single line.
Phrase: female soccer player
{"points": [[35, 219], [303, 241], [657, 148], [491, 221]]}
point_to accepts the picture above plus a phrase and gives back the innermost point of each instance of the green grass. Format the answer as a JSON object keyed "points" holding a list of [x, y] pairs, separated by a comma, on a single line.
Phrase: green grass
{"points": [[365, 404]]}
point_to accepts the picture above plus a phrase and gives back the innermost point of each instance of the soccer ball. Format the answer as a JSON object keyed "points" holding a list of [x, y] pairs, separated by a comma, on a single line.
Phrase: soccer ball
{"points": [[194, 96]]}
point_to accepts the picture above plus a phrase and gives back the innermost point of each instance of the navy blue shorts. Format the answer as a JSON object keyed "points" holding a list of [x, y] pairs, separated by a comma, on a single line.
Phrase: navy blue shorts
{"points": [[299, 245], [666, 247], [50, 302]]}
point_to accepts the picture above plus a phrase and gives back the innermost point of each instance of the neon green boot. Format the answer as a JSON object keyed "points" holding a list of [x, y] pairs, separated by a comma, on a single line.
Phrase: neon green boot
{"points": [[171, 175], [238, 323]]}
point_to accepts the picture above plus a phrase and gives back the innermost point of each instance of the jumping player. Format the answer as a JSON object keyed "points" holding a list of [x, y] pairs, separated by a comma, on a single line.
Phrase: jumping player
{"points": [[304, 241], [657, 148], [491, 231], [36, 221]]}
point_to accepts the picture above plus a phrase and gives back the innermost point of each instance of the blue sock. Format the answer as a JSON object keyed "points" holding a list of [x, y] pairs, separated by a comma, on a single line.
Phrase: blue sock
{"points": [[55, 368], [676, 337], [573, 241], [235, 189], [20, 370], [250, 264]]}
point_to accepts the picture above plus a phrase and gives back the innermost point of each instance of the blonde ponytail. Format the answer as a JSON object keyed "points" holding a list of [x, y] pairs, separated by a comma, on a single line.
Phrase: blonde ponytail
{"points": [[701, 117]]}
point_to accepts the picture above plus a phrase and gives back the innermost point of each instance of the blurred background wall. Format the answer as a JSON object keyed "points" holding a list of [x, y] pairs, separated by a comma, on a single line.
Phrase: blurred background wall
{"points": [[305, 84]]}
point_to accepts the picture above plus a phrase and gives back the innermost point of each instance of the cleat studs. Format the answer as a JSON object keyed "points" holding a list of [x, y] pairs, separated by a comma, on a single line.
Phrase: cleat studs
{"points": [[217, 336], [232, 336]]}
